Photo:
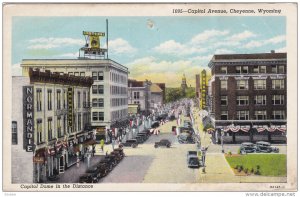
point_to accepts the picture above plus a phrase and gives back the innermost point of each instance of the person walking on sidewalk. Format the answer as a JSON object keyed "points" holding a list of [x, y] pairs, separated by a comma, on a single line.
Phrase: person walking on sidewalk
{"points": [[102, 144], [203, 154]]}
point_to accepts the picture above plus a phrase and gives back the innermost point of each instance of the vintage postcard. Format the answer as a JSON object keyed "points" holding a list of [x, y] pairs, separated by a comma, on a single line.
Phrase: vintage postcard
{"points": [[150, 97]]}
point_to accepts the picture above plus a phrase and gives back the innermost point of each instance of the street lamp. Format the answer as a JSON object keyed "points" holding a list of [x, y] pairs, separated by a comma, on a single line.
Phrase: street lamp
{"points": [[222, 143]]}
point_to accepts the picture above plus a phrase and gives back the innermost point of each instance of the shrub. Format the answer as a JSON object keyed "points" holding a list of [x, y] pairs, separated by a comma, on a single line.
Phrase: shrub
{"points": [[229, 153], [252, 170], [239, 151], [236, 167], [246, 170], [257, 172], [258, 167]]}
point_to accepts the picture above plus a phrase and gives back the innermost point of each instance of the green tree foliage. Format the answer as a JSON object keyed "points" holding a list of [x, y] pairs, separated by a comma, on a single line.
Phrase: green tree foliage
{"points": [[174, 94]]}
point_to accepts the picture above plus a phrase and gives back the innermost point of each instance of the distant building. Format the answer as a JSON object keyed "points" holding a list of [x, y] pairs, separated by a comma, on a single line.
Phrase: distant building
{"points": [[197, 86], [183, 85], [249, 96], [157, 95], [139, 93]]}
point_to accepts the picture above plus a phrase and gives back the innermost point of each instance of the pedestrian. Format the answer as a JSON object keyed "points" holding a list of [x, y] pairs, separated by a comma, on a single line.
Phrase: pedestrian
{"points": [[102, 144], [93, 151], [203, 154]]}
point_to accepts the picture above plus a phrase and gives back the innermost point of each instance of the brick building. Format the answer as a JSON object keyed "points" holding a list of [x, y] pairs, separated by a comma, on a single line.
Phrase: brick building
{"points": [[248, 96]]}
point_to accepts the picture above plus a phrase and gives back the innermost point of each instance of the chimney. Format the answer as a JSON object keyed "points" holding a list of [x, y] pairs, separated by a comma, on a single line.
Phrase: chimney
{"points": [[272, 51]]}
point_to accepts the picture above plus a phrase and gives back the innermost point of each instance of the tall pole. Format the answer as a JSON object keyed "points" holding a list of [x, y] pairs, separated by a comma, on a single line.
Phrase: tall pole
{"points": [[107, 38]]}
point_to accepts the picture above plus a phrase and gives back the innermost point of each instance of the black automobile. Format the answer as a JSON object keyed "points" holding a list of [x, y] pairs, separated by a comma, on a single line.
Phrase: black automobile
{"points": [[117, 155], [163, 142], [265, 147], [248, 147], [111, 159], [121, 151], [95, 172], [155, 124], [144, 136], [185, 138], [107, 164], [130, 143], [104, 168], [88, 178], [171, 118]]}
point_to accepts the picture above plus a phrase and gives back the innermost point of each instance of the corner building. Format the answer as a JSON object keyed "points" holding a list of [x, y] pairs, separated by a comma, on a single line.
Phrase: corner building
{"points": [[108, 95], [248, 97]]}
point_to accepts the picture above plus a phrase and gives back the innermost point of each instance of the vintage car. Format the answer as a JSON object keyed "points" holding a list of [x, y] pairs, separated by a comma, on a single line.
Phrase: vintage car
{"points": [[117, 156], [248, 147], [185, 138], [171, 118], [107, 164], [121, 151], [130, 143], [88, 178], [95, 172], [192, 159], [265, 147], [104, 168], [144, 136], [111, 159], [163, 142], [155, 124]]}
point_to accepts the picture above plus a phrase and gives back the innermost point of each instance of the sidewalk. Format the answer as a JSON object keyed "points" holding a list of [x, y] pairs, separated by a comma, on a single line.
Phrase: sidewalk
{"points": [[72, 174]]}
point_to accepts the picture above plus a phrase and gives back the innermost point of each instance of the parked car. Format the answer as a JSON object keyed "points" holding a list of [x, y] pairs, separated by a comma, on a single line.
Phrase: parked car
{"points": [[185, 138], [130, 143], [171, 118], [88, 178], [95, 172], [121, 151], [248, 147], [144, 136], [117, 156], [192, 159], [107, 164], [104, 168], [155, 124], [266, 147], [163, 142], [111, 159]]}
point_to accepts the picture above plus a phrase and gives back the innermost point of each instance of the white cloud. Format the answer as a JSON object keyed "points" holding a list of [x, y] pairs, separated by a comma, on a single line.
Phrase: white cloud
{"points": [[224, 51], [241, 36], [207, 34], [71, 55], [274, 40], [202, 59], [120, 46], [48, 43], [16, 70], [281, 50], [176, 48]]}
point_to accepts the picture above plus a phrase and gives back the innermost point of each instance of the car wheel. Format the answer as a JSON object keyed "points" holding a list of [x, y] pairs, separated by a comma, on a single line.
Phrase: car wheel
{"points": [[168, 146], [155, 146]]}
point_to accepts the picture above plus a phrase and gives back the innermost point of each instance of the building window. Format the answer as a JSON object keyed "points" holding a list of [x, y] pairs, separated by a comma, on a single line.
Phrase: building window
{"points": [[242, 84], [49, 96], [65, 99], [223, 69], [241, 69], [255, 69], [58, 99], [274, 69], [260, 115], [281, 69], [278, 99], [94, 76], [100, 76], [223, 100], [98, 116], [259, 84], [136, 95], [82, 74], [70, 73], [59, 131], [78, 99], [224, 115], [242, 100], [100, 89], [98, 102], [64, 124], [38, 99], [242, 115], [79, 122], [260, 100], [50, 129], [277, 84], [76, 74], [223, 85], [263, 69], [14, 132], [278, 115], [39, 128], [94, 89]]}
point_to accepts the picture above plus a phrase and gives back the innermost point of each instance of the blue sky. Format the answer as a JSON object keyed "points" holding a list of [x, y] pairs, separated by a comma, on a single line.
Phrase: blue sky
{"points": [[157, 48]]}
